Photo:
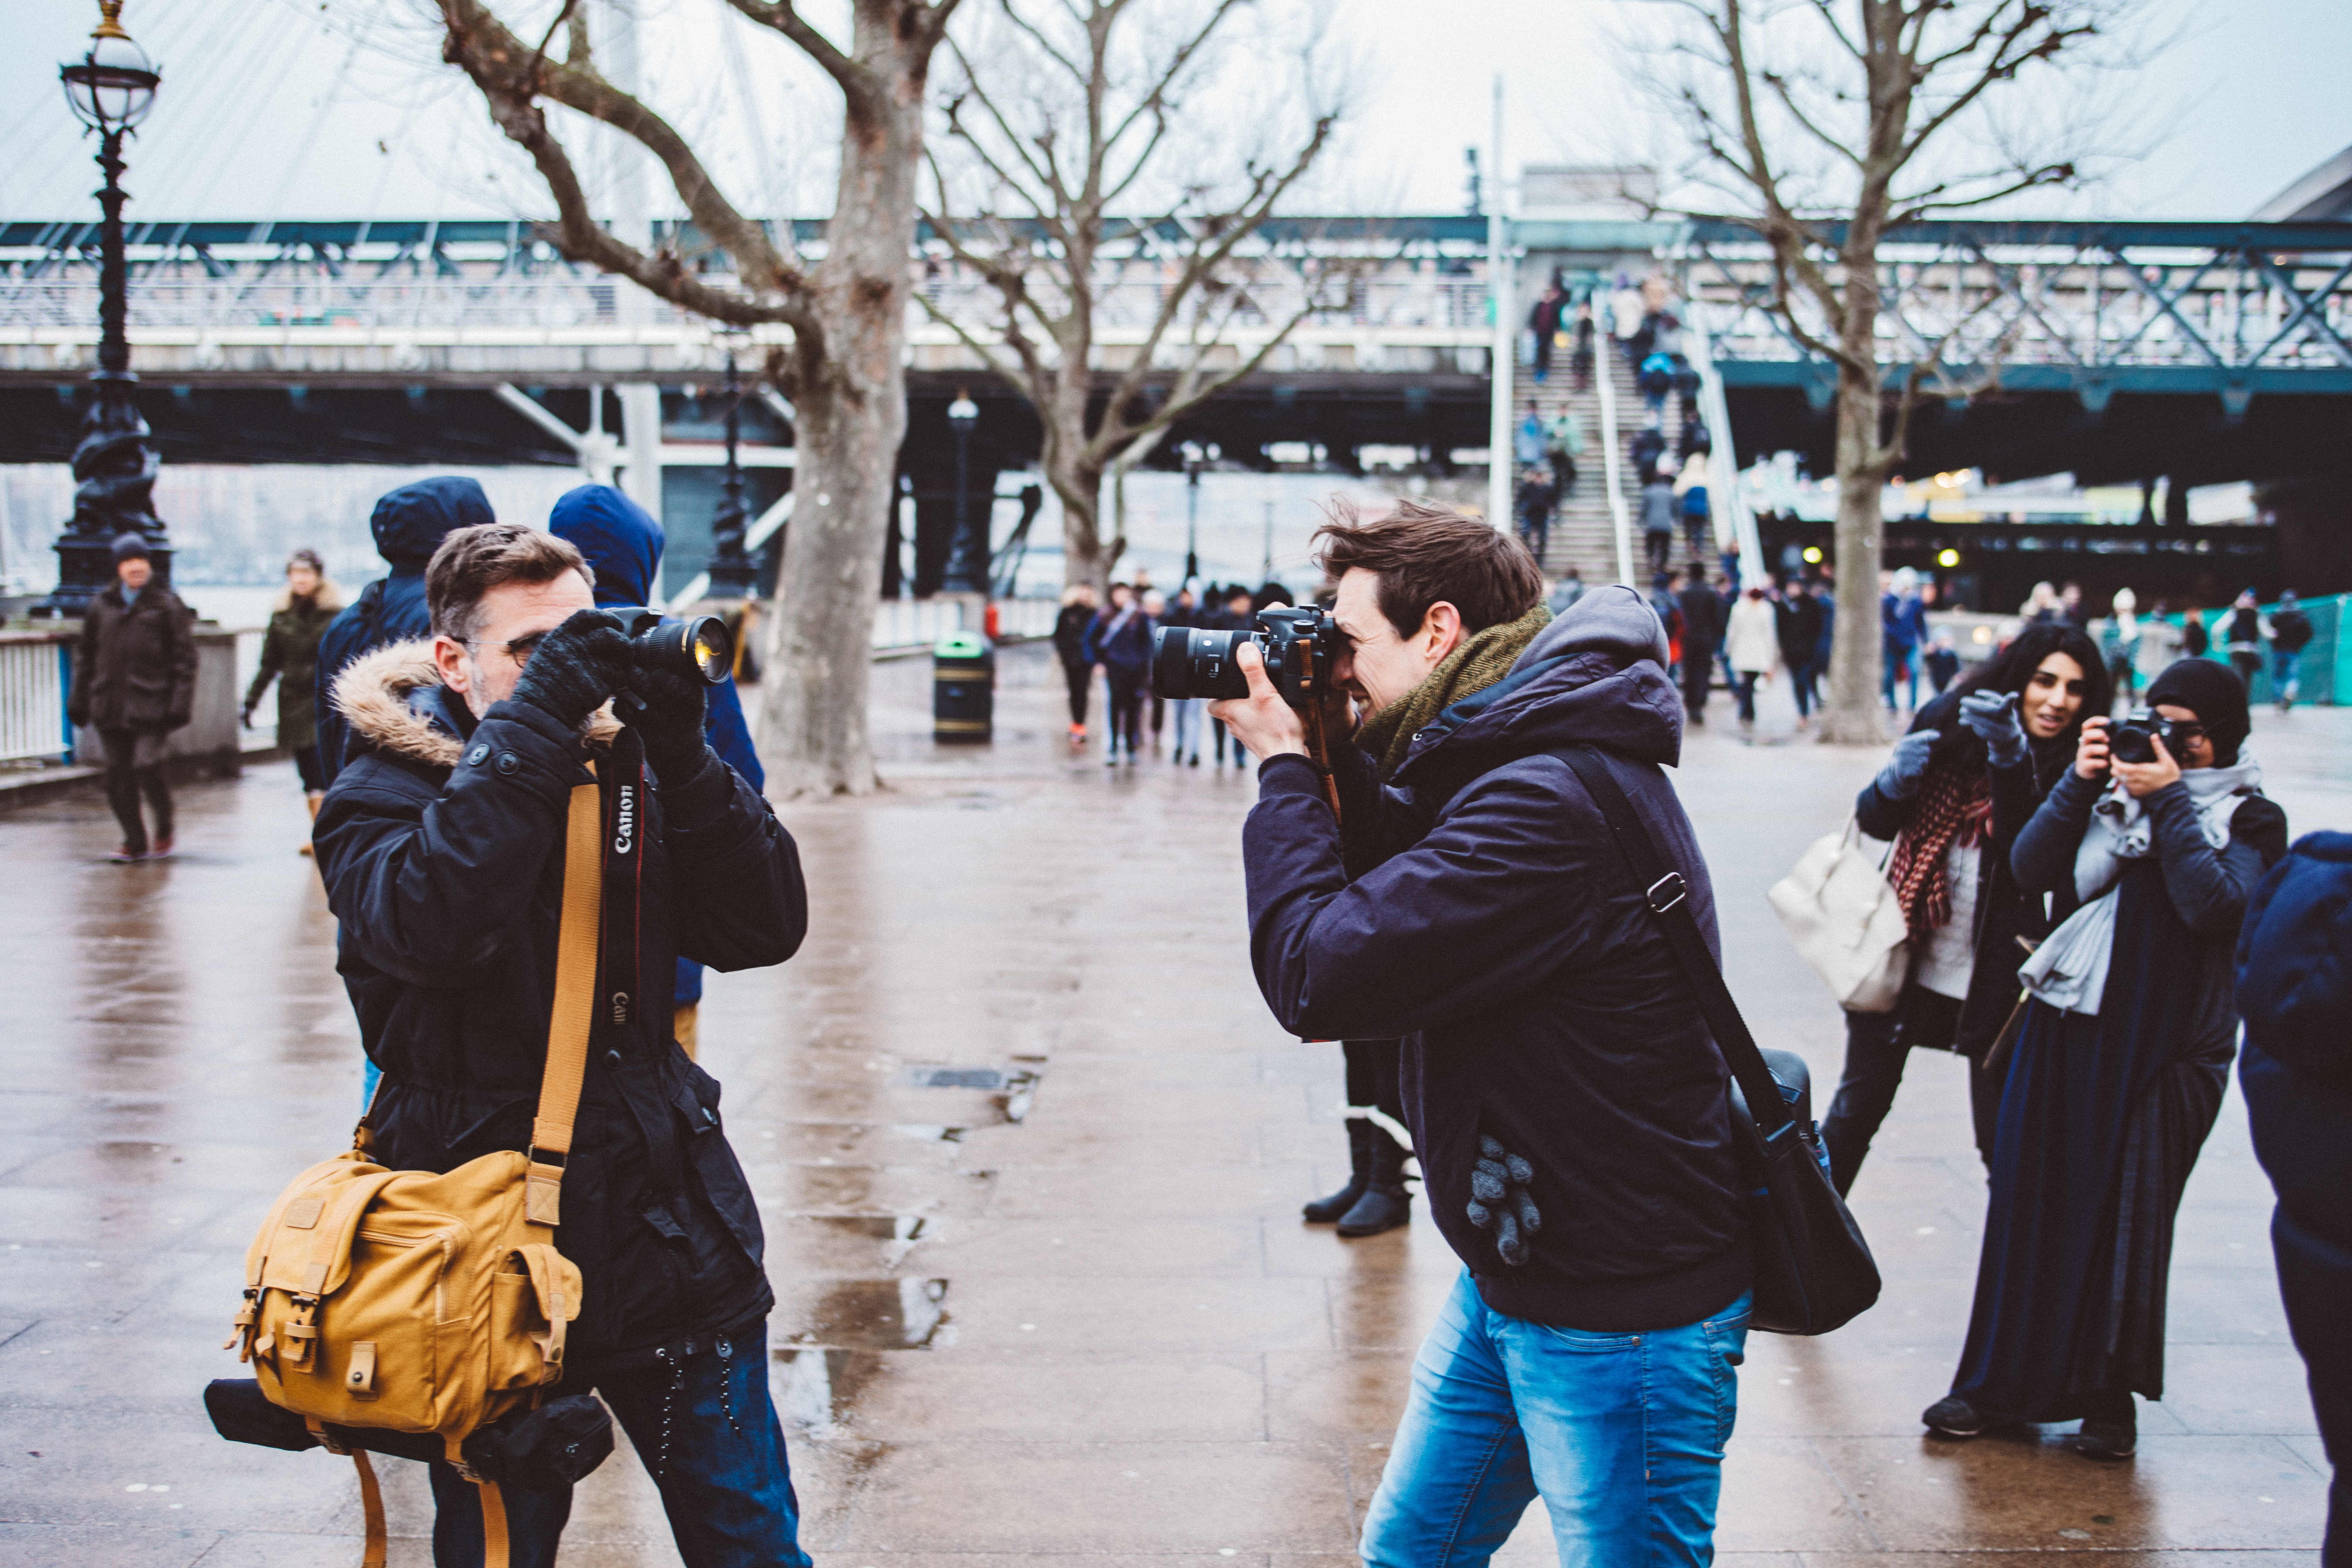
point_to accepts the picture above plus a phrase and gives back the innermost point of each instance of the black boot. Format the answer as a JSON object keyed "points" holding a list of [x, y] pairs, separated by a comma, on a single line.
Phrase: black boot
{"points": [[1324, 1211], [1386, 1202]]}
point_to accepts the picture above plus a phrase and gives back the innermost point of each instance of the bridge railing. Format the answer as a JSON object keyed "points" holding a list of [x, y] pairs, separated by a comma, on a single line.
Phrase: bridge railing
{"points": [[36, 669]]}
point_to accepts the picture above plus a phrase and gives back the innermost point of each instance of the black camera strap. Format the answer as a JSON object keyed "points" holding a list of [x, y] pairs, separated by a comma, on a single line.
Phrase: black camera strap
{"points": [[624, 857], [1669, 899]]}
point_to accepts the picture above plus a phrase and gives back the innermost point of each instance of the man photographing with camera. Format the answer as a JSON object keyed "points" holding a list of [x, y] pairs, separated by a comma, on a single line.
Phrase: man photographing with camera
{"points": [[1566, 1100], [442, 844]]}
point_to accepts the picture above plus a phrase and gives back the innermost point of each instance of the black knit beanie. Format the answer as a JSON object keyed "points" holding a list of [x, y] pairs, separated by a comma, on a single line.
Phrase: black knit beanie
{"points": [[2212, 692], [132, 546]]}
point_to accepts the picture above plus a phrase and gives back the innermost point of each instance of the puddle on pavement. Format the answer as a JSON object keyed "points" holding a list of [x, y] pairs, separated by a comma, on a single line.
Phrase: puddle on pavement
{"points": [[1012, 1091], [815, 1390], [897, 1233], [874, 1315]]}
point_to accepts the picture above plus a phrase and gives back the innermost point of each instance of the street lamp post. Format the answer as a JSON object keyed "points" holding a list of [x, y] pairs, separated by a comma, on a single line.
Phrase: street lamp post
{"points": [[110, 88], [731, 569], [965, 563], [1191, 514]]}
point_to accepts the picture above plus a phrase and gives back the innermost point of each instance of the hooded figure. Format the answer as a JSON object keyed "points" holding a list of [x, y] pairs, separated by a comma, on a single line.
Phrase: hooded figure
{"points": [[409, 524], [623, 543]]}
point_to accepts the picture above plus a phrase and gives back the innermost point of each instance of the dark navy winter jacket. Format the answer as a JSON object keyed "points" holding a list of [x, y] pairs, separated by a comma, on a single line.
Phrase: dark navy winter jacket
{"points": [[1480, 909], [409, 524], [2294, 989], [623, 544]]}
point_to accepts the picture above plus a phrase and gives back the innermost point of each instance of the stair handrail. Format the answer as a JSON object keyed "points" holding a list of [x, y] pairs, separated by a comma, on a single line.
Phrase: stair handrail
{"points": [[1726, 491], [1606, 348]]}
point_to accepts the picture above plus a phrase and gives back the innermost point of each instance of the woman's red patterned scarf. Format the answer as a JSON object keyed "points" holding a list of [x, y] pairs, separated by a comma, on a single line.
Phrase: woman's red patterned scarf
{"points": [[1955, 808]]}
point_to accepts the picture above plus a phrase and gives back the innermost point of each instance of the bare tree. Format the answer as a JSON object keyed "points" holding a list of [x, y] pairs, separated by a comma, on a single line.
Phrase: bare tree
{"points": [[1828, 123], [1059, 116], [844, 368]]}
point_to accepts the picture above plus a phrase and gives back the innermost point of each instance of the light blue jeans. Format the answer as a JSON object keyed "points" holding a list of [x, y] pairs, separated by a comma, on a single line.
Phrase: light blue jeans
{"points": [[1188, 726], [1621, 1435]]}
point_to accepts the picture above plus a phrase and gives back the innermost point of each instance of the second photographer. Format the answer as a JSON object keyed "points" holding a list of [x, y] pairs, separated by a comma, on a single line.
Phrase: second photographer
{"points": [[1566, 1100]]}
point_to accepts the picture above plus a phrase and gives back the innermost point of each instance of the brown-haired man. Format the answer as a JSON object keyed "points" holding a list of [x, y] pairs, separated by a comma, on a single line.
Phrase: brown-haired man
{"points": [[441, 843], [1566, 1104]]}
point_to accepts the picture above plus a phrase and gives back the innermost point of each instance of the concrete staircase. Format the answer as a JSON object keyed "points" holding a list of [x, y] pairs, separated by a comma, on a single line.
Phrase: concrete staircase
{"points": [[1583, 534]]}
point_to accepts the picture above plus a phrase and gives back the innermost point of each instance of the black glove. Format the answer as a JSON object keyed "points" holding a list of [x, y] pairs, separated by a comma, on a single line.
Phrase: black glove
{"points": [[576, 666], [670, 719]]}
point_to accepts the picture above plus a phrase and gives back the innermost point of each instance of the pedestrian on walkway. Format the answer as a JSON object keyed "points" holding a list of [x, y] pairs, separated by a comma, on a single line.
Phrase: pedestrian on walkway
{"points": [[2290, 635], [1703, 617], [2294, 984], [1751, 643], [1544, 321], [1534, 498], [1119, 645], [441, 844], [1470, 894], [1563, 445], [1825, 596], [2245, 637], [1376, 1197], [2119, 1069], [1690, 500], [289, 656], [623, 543], [409, 524], [1942, 660], [1530, 439], [1797, 622], [2120, 644], [1154, 604], [1657, 514], [1581, 361], [2159, 642], [1186, 612], [1070, 629], [134, 682], [2195, 638], [1903, 627], [1972, 772], [1565, 591]]}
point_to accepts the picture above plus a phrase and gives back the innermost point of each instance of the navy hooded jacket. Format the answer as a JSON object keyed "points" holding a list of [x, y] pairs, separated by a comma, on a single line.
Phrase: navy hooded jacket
{"points": [[2294, 990], [409, 524], [1480, 909], [623, 543]]}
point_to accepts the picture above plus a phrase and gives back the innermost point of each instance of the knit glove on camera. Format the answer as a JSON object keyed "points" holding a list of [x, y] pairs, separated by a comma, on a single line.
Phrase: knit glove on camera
{"points": [[1500, 1201], [575, 668], [1899, 779], [1992, 716]]}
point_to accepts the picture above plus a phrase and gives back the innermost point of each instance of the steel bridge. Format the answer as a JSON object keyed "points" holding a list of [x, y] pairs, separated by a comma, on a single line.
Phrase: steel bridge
{"points": [[2121, 351]]}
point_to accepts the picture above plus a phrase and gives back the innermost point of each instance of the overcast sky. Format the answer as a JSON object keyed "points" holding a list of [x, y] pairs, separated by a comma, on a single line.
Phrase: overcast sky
{"points": [[291, 108]]}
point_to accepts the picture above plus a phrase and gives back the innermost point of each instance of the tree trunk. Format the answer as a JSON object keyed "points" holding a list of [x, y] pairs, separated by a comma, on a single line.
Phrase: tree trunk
{"points": [[849, 388], [1852, 716]]}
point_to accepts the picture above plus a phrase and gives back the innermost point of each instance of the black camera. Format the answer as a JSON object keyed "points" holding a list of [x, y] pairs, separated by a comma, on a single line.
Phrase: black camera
{"points": [[699, 646], [1300, 646], [2134, 739]]}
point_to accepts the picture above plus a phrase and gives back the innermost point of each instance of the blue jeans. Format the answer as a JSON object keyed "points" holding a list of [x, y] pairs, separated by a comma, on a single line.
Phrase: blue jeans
{"points": [[1901, 662], [2286, 674], [1621, 1435], [704, 1424]]}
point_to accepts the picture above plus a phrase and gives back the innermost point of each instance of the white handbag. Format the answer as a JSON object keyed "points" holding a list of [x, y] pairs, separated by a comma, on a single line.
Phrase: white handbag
{"points": [[1842, 914]]}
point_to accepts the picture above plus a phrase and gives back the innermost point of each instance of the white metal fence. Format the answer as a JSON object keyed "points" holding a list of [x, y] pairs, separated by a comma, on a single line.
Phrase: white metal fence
{"points": [[915, 622], [35, 670]]}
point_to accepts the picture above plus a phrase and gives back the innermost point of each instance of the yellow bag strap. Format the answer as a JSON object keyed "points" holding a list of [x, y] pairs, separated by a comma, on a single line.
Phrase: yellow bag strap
{"points": [[575, 1004]]}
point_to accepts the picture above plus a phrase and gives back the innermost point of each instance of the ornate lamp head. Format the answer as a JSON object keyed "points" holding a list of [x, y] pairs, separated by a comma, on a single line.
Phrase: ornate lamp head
{"points": [[111, 87]]}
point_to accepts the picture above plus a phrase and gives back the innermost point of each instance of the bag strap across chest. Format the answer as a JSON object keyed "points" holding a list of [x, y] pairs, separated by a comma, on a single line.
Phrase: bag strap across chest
{"points": [[573, 1014]]}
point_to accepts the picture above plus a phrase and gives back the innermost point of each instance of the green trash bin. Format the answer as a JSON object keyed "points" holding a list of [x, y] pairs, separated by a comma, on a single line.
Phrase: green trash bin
{"points": [[963, 690]]}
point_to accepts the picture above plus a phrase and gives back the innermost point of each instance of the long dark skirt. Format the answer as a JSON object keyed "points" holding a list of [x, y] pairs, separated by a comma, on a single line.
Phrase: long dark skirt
{"points": [[2094, 1145]]}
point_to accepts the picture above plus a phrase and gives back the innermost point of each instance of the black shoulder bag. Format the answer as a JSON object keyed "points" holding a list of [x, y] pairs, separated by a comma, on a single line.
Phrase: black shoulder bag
{"points": [[1813, 1270]]}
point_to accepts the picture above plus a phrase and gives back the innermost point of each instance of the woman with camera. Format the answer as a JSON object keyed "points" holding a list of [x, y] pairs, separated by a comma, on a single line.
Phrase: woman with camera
{"points": [[2150, 846], [1967, 776]]}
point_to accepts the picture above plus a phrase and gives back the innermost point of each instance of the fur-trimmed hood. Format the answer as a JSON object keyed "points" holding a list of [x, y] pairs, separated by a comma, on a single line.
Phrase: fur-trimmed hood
{"points": [[326, 601], [375, 691]]}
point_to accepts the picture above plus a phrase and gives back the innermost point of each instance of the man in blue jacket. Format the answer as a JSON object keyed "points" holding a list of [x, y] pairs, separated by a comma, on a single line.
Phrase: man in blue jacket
{"points": [[1566, 1100], [2295, 986], [409, 525], [623, 545]]}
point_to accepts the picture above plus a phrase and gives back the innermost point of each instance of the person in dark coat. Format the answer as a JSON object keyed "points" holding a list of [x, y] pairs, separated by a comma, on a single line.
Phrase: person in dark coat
{"points": [[2119, 1068], [441, 844], [1544, 321], [2295, 988], [1703, 617], [1070, 629], [1119, 642], [1236, 617], [1963, 783], [289, 656], [409, 524], [134, 682], [623, 543], [1797, 621], [1566, 1101], [2291, 633]]}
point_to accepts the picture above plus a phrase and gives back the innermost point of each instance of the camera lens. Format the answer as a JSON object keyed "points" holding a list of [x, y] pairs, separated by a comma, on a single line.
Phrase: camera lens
{"points": [[1188, 661], [698, 648]]}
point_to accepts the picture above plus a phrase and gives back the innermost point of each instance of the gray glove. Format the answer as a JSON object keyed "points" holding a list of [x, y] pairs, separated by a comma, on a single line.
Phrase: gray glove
{"points": [[1500, 1201], [1899, 779], [576, 666], [1992, 716]]}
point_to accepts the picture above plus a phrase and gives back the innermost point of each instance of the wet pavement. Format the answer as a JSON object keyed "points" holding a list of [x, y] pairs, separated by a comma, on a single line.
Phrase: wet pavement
{"points": [[1030, 1153]]}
